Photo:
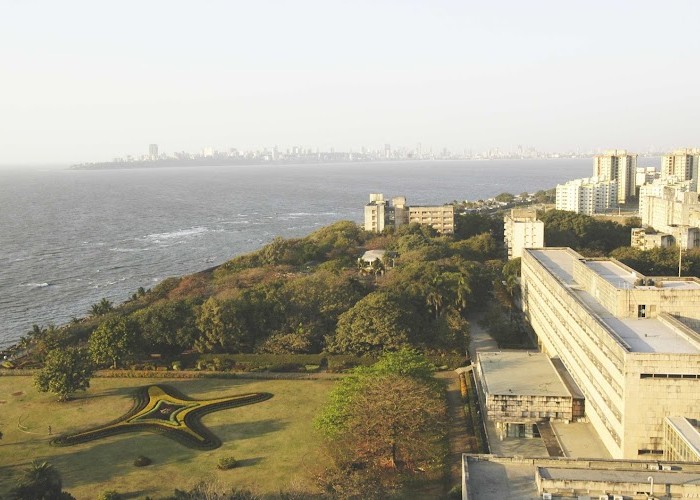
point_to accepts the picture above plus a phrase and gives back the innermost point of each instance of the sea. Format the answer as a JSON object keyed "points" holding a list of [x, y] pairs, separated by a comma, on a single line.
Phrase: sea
{"points": [[69, 238]]}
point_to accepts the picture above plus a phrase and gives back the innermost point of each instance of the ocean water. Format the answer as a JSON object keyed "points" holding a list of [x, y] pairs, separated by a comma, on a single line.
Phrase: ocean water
{"points": [[71, 237]]}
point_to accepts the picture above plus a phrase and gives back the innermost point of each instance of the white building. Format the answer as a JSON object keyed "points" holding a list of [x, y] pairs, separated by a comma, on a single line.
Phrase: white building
{"points": [[587, 196], [380, 214], [522, 230], [630, 343], [672, 208], [683, 165], [617, 165]]}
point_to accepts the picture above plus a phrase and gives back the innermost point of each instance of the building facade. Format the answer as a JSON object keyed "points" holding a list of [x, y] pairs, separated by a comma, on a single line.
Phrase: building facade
{"points": [[380, 214], [617, 165], [624, 339], [587, 196], [521, 229]]}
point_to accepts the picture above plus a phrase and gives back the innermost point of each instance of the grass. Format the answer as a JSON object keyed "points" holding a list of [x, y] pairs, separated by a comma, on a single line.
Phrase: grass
{"points": [[273, 441]]}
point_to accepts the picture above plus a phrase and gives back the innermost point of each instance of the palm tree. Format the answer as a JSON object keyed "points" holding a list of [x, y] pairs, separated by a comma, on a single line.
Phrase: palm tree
{"points": [[102, 307], [39, 481]]}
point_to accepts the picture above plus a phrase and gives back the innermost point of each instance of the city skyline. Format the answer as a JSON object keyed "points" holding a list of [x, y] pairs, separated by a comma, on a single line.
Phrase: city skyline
{"points": [[85, 82]]}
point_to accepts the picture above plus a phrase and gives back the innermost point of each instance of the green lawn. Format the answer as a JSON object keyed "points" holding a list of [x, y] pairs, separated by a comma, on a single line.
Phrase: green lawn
{"points": [[274, 441]]}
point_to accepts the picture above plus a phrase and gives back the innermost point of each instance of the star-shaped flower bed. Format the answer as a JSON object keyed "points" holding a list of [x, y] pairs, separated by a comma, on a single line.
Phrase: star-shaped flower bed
{"points": [[161, 408]]}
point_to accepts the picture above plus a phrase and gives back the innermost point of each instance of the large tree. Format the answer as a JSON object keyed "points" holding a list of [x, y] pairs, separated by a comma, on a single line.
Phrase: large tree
{"points": [[65, 371], [113, 342]]}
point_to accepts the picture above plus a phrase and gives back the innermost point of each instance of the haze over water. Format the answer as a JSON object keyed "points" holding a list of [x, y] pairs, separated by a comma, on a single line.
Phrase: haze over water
{"points": [[70, 237]]}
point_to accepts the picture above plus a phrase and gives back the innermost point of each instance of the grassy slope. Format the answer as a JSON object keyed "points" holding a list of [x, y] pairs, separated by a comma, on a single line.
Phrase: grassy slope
{"points": [[273, 440]]}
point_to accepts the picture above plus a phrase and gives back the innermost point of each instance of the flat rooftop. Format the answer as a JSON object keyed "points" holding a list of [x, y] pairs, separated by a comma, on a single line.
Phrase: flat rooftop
{"points": [[690, 432], [617, 476], [645, 335], [520, 373]]}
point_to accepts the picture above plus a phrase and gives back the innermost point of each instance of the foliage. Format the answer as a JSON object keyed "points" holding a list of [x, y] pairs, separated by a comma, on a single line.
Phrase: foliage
{"points": [[505, 197], [109, 495], [101, 308], [64, 372], [659, 261], [375, 323], [40, 481], [382, 422], [583, 232], [142, 461], [226, 463], [114, 341]]}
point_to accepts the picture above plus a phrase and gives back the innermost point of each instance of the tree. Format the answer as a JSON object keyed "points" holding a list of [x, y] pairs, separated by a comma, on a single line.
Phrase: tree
{"points": [[65, 371], [112, 342], [103, 307], [40, 481], [382, 422], [374, 324]]}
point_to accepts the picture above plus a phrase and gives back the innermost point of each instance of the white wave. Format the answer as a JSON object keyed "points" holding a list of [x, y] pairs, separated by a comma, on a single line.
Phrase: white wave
{"points": [[128, 250], [38, 285], [299, 214], [181, 233]]}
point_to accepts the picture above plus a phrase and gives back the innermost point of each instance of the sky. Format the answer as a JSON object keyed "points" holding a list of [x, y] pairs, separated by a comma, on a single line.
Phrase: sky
{"points": [[84, 81]]}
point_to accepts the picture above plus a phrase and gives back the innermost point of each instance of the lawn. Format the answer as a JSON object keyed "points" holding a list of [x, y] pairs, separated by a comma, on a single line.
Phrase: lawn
{"points": [[274, 440]]}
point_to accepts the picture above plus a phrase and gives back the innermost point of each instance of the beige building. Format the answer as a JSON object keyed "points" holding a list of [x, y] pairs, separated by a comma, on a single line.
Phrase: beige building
{"points": [[681, 439], [441, 218], [521, 229], [670, 209], [519, 389], [625, 339], [682, 165], [587, 196], [646, 239], [617, 165]]}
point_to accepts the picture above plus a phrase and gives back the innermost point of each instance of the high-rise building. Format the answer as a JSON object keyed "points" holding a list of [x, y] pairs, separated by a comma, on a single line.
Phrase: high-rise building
{"points": [[522, 230], [617, 165], [587, 196], [682, 165], [153, 151]]}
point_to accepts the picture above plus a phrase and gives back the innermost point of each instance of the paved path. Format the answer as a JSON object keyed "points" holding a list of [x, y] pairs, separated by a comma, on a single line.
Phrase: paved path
{"points": [[550, 439], [457, 429]]}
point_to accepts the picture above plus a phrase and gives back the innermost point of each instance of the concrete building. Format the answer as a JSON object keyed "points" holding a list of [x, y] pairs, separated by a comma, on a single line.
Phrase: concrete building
{"points": [[522, 230], [440, 217], [671, 209], [488, 477], [153, 151], [380, 214], [681, 439], [682, 165], [646, 239], [617, 165], [625, 339], [520, 389], [644, 175], [587, 196]]}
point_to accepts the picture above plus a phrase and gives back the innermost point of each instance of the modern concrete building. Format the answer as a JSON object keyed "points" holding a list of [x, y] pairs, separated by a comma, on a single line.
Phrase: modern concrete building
{"points": [[380, 214], [488, 477], [522, 230], [646, 239], [682, 165], [520, 389], [617, 165], [671, 209], [587, 196], [631, 343], [441, 217], [681, 439]]}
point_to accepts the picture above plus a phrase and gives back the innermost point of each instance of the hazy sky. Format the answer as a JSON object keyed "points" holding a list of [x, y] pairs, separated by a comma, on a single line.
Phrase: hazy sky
{"points": [[88, 81]]}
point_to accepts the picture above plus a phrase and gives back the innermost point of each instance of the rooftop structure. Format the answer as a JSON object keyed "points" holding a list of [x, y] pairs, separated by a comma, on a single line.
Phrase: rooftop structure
{"points": [[624, 338]]}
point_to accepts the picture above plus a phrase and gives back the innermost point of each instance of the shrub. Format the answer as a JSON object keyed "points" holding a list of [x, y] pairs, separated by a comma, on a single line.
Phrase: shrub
{"points": [[226, 463], [109, 495], [142, 461]]}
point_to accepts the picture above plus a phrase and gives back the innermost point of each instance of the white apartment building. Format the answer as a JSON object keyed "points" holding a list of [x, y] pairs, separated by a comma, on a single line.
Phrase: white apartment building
{"points": [[630, 343], [617, 165], [440, 217], [644, 175], [587, 196], [522, 230], [671, 209]]}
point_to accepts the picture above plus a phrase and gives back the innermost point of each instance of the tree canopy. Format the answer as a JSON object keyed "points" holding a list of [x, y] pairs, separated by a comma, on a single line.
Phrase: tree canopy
{"points": [[64, 372]]}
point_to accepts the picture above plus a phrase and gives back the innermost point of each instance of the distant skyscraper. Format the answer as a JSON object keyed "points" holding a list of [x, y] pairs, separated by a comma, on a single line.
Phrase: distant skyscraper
{"points": [[387, 150], [617, 165], [153, 151]]}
